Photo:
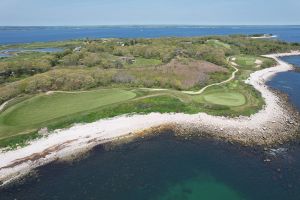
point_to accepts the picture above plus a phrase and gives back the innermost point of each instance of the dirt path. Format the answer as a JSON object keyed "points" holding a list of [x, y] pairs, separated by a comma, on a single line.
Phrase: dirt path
{"points": [[274, 123], [233, 65]]}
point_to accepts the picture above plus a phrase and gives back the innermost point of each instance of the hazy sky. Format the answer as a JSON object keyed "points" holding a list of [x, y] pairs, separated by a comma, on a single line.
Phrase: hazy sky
{"points": [[127, 12]]}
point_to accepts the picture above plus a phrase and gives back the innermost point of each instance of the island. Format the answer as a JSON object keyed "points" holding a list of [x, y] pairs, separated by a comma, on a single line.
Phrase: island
{"points": [[263, 36], [56, 104]]}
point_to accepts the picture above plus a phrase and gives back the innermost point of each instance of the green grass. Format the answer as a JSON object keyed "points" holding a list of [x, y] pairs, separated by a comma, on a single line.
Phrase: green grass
{"points": [[226, 98], [218, 43], [247, 61], [20, 122], [25, 115], [41, 109], [35, 45], [143, 62]]}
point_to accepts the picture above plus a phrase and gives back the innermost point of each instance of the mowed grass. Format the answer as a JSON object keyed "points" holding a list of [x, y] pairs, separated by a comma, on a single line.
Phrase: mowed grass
{"points": [[218, 43], [21, 121], [246, 61], [38, 110], [225, 98]]}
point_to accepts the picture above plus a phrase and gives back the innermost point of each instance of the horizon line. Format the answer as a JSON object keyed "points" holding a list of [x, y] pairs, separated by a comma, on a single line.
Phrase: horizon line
{"points": [[149, 25]]}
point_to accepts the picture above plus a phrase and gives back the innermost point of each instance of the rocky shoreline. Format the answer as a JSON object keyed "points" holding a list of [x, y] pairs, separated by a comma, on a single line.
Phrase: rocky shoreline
{"points": [[276, 123], [273, 133]]}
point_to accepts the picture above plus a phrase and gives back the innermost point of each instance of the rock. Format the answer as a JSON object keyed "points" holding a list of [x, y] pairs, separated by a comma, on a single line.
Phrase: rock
{"points": [[43, 131], [278, 170]]}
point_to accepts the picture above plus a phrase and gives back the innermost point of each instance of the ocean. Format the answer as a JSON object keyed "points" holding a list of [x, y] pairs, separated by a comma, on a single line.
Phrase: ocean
{"points": [[166, 167], [15, 35]]}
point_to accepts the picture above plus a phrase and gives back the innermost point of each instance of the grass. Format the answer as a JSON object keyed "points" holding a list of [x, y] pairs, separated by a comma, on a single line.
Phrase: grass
{"points": [[226, 98], [20, 122], [37, 111], [218, 43], [246, 60], [35, 45], [24, 116], [22, 119]]}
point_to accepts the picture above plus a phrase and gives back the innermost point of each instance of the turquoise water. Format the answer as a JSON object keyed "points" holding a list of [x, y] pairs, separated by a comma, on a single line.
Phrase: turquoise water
{"points": [[169, 168]]}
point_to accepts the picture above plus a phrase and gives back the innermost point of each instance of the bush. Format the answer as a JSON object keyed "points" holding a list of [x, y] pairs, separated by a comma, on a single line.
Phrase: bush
{"points": [[123, 77], [91, 60], [71, 59]]}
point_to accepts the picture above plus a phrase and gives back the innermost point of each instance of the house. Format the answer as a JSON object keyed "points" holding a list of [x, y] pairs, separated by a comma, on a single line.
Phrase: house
{"points": [[77, 49]]}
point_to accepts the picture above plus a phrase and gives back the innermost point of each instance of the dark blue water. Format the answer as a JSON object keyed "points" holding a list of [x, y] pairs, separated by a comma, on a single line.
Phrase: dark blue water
{"points": [[289, 82], [13, 35], [166, 167]]}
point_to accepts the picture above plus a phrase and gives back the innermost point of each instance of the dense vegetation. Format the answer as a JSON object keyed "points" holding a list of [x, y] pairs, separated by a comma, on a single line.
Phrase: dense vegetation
{"points": [[132, 62], [131, 66]]}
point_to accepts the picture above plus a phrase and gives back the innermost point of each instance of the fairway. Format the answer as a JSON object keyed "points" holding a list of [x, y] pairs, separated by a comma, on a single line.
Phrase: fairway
{"points": [[218, 43], [43, 108], [246, 61], [226, 98]]}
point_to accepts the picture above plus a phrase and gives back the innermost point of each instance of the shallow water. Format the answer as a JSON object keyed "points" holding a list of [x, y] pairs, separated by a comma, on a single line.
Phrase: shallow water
{"points": [[168, 168], [3, 55], [12, 52], [165, 167]]}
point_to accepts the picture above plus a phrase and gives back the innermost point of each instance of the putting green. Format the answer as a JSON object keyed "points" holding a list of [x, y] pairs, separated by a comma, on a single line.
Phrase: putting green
{"points": [[225, 98], [246, 61], [43, 108]]}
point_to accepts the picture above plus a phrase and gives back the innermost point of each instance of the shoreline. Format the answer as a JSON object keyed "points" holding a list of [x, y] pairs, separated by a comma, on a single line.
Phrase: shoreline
{"points": [[276, 122], [264, 37]]}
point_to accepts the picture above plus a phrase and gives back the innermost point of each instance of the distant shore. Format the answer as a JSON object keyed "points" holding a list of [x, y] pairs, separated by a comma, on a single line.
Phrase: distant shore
{"points": [[265, 36], [275, 123]]}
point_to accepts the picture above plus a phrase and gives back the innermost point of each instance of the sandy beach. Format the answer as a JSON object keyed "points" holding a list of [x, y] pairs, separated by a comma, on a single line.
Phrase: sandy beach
{"points": [[275, 122]]}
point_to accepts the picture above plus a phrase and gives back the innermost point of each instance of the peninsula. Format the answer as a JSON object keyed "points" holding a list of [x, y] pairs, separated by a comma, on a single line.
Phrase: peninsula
{"points": [[95, 91]]}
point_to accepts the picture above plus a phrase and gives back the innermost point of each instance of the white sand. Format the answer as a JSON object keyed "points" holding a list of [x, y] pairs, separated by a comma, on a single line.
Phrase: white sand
{"points": [[264, 37], [80, 137]]}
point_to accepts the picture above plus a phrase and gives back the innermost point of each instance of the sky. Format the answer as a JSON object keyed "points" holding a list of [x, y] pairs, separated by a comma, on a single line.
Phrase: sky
{"points": [[145, 12]]}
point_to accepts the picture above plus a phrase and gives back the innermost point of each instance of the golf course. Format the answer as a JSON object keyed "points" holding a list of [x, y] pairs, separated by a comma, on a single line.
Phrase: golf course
{"points": [[42, 108], [108, 78], [226, 98]]}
